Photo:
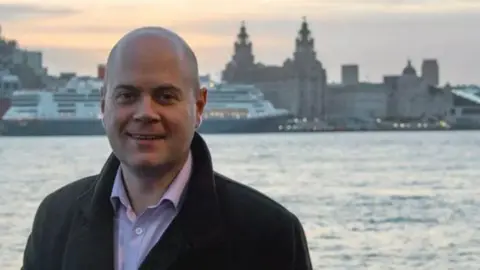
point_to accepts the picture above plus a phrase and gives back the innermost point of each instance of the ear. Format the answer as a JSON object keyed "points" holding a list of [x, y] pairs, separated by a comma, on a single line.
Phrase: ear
{"points": [[102, 100], [200, 103]]}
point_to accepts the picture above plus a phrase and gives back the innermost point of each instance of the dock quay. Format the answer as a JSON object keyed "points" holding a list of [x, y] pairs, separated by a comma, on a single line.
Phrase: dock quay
{"points": [[317, 125]]}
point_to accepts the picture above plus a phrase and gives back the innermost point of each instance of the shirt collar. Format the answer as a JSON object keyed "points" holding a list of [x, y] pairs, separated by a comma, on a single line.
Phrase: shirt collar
{"points": [[173, 194]]}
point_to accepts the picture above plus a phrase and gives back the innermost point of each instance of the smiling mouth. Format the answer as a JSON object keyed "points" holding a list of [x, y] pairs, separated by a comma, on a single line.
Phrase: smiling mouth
{"points": [[145, 137]]}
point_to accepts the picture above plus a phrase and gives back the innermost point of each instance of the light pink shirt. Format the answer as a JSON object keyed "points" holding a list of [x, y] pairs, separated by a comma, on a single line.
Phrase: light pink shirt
{"points": [[136, 235]]}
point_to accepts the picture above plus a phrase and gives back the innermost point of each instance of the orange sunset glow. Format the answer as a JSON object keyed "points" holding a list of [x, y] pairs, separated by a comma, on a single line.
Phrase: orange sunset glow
{"points": [[77, 36]]}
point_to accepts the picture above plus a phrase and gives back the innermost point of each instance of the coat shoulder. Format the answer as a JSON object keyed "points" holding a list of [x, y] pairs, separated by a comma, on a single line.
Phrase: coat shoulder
{"points": [[264, 234], [59, 205], [70, 193], [51, 224], [248, 205]]}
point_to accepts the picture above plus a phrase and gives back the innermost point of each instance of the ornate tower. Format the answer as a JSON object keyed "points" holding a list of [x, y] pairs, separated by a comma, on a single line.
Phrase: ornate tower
{"points": [[243, 55], [243, 60], [409, 70], [310, 76], [304, 45]]}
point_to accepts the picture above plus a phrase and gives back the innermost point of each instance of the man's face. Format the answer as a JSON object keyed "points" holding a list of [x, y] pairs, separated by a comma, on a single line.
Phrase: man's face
{"points": [[150, 107]]}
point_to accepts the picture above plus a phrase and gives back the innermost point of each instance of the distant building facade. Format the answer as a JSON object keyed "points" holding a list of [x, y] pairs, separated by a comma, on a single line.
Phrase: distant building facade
{"points": [[101, 69], [350, 74], [430, 72], [32, 59], [7, 50], [26, 65], [360, 101], [414, 97], [299, 85]]}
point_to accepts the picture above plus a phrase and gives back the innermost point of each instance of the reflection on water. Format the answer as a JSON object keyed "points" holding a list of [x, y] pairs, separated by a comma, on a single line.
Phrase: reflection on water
{"points": [[367, 200]]}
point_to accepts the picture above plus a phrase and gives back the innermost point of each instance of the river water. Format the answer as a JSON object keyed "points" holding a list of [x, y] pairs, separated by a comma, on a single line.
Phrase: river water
{"points": [[370, 200]]}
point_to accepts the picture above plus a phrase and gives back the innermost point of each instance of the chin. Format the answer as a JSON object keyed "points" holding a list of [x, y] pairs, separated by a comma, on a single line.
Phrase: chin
{"points": [[146, 160]]}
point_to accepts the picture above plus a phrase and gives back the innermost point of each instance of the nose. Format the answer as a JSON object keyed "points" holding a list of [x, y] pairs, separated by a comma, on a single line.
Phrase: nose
{"points": [[145, 110]]}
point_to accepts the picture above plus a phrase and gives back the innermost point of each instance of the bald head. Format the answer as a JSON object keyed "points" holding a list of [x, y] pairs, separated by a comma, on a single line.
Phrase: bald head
{"points": [[150, 75], [150, 40]]}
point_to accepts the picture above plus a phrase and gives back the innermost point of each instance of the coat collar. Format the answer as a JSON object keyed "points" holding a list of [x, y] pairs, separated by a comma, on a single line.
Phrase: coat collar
{"points": [[197, 225]]}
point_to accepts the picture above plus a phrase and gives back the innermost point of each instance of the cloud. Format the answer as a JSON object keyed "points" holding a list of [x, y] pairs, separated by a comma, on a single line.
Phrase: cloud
{"points": [[187, 10], [380, 42], [269, 32], [262, 16], [346, 4], [97, 29], [13, 12]]}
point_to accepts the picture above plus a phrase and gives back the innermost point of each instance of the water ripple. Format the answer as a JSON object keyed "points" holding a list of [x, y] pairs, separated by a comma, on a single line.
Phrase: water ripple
{"points": [[366, 200]]}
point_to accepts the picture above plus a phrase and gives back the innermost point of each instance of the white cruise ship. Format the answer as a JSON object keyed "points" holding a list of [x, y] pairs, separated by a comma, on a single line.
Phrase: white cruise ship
{"points": [[465, 113], [241, 109], [75, 110]]}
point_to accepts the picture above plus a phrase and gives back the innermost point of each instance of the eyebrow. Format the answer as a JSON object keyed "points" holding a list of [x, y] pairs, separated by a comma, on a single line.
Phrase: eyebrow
{"points": [[162, 87]]}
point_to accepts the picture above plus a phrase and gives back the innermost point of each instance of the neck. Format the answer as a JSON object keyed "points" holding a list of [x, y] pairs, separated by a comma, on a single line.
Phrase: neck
{"points": [[145, 187]]}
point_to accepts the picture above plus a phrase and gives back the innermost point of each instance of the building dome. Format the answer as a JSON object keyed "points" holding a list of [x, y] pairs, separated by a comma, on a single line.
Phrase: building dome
{"points": [[409, 69]]}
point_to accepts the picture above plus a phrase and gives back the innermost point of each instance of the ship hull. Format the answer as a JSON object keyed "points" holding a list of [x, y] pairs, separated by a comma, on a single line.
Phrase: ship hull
{"points": [[89, 127], [250, 125], [5, 104]]}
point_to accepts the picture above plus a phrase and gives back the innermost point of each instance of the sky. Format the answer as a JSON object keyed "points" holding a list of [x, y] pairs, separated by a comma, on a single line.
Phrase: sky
{"points": [[378, 35]]}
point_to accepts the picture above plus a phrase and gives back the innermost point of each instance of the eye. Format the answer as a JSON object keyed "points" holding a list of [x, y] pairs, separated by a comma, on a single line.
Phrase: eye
{"points": [[166, 98], [125, 97]]}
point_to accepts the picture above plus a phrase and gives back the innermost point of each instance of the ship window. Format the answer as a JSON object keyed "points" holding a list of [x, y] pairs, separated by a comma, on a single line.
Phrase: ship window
{"points": [[66, 111], [66, 105], [31, 111], [91, 98], [71, 98], [10, 86], [24, 104], [227, 113], [25, 100], [471, 111], [463, 102], [66, 114]]}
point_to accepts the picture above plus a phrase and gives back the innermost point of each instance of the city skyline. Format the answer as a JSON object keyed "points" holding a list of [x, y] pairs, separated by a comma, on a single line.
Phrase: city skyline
{"points": [[379, 36]]}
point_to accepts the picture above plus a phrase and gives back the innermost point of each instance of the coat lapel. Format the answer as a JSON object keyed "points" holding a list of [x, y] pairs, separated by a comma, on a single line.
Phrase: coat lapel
{"points": [[90, 247], [91, 244], [198, 227], [167, 251]]}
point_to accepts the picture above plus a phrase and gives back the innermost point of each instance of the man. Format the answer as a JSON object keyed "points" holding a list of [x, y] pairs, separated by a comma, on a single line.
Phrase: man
{"points": [[157, 203]]}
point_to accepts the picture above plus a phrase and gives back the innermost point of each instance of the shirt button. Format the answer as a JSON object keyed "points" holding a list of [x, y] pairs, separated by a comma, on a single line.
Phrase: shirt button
{"points": [[138, 231]]}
